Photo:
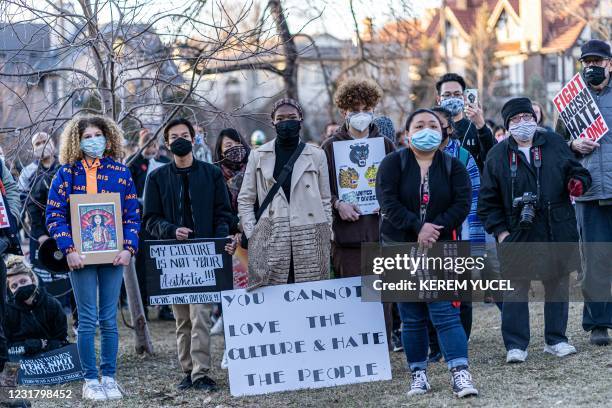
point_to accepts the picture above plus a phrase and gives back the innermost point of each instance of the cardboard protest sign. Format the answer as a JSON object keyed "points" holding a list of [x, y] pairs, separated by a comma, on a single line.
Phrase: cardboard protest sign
{"points": [[187, 272], [241, 264], [357, 163], [579, 112], [307, 335], [51, 367], [4, 216]]}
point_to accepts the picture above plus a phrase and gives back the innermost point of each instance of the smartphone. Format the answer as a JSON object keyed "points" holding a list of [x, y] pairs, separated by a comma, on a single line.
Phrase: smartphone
{"points": [[471, 95]]}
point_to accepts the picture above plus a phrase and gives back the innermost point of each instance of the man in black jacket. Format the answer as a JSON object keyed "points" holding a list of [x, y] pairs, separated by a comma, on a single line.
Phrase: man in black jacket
{"points": [[35, 321], [470, 126], [188, 199], [141, 165], [525, 200]]}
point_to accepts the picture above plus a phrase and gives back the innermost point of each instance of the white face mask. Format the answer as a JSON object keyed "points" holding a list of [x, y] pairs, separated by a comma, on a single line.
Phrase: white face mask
{"points": [[523, 131], [360, 120]]}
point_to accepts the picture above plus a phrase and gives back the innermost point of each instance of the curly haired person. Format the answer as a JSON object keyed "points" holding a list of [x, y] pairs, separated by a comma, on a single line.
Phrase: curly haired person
{"points": [[90, 147]]}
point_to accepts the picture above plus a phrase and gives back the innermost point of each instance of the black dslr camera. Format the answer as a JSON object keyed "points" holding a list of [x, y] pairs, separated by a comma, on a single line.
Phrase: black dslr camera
{"points": [[528, 202]]}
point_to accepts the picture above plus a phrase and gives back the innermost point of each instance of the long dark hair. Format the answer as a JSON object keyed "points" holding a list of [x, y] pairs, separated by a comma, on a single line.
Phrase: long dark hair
{"points": [[236, 137]]}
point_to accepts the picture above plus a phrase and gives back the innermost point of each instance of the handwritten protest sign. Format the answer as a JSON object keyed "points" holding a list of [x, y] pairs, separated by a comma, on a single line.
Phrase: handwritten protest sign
{"points": [[51, 367], [4, 216], [187, 272], [579, 112], [307, 335], [357, 163]]}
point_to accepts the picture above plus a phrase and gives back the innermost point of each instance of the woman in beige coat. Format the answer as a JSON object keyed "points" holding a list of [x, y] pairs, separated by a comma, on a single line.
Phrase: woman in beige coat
{"points": [[291, 241]]}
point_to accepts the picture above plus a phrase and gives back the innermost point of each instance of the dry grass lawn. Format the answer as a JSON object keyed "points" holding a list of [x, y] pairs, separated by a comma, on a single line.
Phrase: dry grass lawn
{"points": [[584, 379]]}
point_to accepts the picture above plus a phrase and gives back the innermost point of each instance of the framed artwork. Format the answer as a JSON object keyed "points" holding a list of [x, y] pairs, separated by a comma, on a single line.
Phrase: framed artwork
{"points": [[97, 227]]}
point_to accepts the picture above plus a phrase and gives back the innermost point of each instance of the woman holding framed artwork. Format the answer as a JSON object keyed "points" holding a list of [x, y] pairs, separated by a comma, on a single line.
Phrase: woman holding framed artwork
{"points": [[104, 225]]}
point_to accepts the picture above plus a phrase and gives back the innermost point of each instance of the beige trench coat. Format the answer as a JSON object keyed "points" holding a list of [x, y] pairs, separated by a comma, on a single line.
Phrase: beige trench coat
{"points": [[300, 229]]}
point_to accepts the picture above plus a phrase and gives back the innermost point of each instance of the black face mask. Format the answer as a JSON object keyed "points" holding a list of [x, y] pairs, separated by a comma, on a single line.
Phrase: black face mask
{"points": [[24, 293], [181, 147], [288, 129], [594, 75]]}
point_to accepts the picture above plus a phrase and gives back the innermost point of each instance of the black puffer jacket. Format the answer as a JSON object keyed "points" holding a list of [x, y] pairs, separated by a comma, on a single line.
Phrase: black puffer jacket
{"points": [[27, 325], [555, 219]]}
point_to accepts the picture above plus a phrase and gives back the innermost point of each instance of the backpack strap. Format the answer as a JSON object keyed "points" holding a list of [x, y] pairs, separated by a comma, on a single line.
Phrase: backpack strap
{"points": [[448, 164]]}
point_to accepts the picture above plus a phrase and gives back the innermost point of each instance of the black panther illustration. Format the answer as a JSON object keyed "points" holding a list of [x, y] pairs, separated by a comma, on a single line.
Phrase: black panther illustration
{"points": [[359, 154]]}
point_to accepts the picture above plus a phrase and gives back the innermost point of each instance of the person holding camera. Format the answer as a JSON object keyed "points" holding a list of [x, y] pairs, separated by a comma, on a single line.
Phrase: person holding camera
{"points": [[525, 200]]}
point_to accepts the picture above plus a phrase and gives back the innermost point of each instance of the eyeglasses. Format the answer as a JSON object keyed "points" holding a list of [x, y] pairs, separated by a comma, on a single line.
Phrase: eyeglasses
{"points": [[447, 95], [527, 117]]}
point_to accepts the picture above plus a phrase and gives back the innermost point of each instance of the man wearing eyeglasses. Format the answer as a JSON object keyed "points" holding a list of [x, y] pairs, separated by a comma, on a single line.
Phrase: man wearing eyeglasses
{"points": [[524, 202], [594, 208], [470, 126]]}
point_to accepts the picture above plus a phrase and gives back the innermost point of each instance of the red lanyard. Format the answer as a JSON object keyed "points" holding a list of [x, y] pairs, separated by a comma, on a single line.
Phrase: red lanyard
{"points": [[424, 196]]}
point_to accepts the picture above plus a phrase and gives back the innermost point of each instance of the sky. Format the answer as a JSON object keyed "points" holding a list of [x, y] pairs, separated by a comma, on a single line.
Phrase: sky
{"points": [[308, 16], [335, 17]]}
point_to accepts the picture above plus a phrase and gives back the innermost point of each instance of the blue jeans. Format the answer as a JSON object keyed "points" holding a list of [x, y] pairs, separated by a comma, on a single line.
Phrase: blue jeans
{"points": [[595, 229], [451, 335], [91, 283], [515, 313]]}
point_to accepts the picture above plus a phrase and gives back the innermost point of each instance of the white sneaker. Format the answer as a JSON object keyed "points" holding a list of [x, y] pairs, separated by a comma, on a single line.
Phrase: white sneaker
{"points": [[419, 384], [217, 327], [93, 390], [560, 349], [113, 391], [516, 356], [224, 360]]}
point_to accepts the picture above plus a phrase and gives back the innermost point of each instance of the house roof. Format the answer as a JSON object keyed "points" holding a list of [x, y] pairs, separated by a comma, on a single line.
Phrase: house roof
{"points": [[565, 37], [24, 39], [563, 28]]}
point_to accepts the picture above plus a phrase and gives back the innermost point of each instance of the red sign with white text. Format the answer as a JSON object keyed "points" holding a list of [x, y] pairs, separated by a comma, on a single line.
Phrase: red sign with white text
{"points": [[579, 111]]}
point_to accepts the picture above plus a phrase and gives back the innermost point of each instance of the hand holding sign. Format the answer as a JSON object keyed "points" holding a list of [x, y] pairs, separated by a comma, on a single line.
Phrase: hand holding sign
{"points": [[123, 258], [75, 261], [584, 145], [182, 233], [580, 114]]}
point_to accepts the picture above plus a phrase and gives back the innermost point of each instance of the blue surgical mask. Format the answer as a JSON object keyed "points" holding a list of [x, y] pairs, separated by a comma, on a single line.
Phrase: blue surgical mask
{"points": [[426, 140], [453, 105], [94, 146]]}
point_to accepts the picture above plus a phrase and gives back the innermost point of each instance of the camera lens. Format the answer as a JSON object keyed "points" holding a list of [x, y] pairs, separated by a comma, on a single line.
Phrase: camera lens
{"points": [[527, 216]]}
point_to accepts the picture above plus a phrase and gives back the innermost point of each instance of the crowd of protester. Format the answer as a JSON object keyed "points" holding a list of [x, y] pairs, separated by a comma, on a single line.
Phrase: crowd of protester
{"points": [[448, 174]]}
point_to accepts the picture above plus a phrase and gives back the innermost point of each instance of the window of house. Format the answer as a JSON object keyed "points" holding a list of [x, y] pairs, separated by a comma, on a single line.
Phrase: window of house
{"points": [[502, 29], [54, 91], [551, 68]]}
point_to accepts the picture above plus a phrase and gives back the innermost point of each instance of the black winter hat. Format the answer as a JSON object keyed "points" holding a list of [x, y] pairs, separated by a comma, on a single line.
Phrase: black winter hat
{"points": [[515, 106], [595, 48]]}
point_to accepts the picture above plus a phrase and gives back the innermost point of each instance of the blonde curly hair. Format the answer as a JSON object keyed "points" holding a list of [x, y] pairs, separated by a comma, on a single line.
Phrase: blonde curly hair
{"points": [[70, 140]]}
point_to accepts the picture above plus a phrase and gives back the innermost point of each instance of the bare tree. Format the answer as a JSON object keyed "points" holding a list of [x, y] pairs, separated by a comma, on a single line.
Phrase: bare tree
{"points": [[65, 58], [583, 11], [482, 65]]}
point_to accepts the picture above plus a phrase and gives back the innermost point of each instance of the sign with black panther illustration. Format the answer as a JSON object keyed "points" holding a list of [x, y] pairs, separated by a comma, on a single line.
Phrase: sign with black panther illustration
{"points": [[357, 163]]}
